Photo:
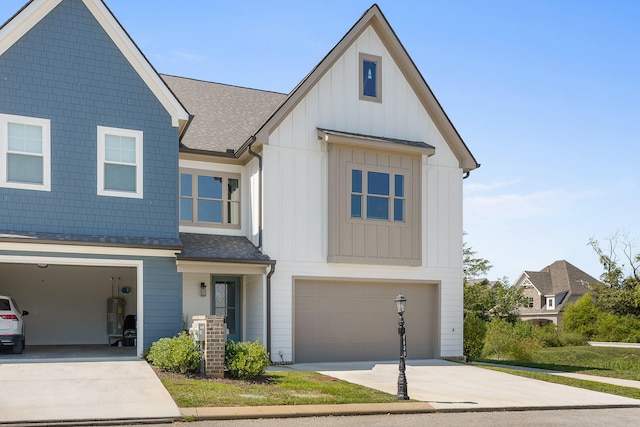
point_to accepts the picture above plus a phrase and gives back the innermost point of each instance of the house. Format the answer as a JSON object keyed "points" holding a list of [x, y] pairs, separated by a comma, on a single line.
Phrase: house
{"points": [[550, 290], [298, 216]]}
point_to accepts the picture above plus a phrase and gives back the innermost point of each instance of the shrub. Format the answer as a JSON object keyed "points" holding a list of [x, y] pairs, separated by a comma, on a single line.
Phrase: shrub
{"points": [[246, 359], [507, 341], [547, 335], [615, 328], [178, 354], [581, 317], [572, 339], [475, 330]]}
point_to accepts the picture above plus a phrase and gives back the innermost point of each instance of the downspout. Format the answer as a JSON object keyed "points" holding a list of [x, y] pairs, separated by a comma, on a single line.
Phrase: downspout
{"points": [[466, 175], [259, 157], [271, 271]]}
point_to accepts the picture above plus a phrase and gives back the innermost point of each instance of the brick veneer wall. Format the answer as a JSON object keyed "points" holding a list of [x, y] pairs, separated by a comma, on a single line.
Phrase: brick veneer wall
{"points": [[213, 345]]}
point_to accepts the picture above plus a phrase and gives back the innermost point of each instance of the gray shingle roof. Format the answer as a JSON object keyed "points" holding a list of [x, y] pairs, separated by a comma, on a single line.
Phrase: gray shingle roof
{"points": [[94, 240], [214, 247], [560, 277], [224, 116]]}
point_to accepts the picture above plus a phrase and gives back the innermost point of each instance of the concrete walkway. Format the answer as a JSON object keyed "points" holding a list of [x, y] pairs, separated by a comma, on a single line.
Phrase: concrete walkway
{"points": [[83, 392]]}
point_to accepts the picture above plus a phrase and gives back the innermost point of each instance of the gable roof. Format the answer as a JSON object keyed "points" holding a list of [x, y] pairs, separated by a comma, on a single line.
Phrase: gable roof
{"points": [[35, 10], [224, 116], [374, 17], [559, 277]]}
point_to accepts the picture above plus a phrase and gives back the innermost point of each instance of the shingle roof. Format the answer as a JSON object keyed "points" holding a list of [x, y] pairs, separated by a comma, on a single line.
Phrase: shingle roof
{"points": [[224, 116], [37, 237], [559, 277], [214, 247]]}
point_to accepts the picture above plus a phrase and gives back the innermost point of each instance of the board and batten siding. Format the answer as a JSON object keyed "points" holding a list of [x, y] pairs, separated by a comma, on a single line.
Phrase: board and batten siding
{"points": [[296, 189]]}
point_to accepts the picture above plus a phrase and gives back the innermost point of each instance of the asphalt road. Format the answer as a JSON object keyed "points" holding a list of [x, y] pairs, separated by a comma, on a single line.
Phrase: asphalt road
{"points": [[577, 417]]}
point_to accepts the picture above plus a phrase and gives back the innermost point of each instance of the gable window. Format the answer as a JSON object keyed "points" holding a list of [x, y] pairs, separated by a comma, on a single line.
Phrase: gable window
{"points": [[120, 162], [370, 77], [377, 196], [529, 302], [25, 153], [209, 198], [551, 303]]}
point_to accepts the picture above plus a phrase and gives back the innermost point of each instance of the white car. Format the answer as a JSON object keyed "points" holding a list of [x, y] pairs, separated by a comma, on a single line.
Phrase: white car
{"points": [[11, 324]]}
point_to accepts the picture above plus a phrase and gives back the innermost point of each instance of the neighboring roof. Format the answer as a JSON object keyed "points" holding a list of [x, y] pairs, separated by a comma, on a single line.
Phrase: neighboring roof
{"points": [[374, 17], [34, 11], [218, 248], [224, 116], [92, 240], [559, 277]]}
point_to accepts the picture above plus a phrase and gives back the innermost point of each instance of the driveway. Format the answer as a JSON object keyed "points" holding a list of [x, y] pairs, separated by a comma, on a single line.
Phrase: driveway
{"points": [[447, 385], [85, 391]]}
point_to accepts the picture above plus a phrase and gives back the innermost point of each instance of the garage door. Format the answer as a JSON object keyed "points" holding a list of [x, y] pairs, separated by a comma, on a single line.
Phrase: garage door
{"points": [[357, 320]]}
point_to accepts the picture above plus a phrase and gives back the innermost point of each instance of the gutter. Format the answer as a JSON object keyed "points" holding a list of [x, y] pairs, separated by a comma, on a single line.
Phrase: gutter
{"points": [[271, 271]]}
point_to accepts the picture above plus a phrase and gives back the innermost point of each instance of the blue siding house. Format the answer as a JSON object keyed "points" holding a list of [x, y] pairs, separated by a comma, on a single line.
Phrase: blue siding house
{"points": [[89, 139]]}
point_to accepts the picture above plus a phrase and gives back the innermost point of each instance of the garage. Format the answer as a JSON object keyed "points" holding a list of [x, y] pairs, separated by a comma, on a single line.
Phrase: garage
{"points": [[67, 304], [337, 321]]}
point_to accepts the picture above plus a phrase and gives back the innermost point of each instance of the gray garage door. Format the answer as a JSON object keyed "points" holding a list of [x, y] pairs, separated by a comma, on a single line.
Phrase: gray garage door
{"points": [[357, 320]]}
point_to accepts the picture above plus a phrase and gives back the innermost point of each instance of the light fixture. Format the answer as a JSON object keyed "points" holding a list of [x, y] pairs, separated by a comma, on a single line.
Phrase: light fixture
{"points": [[401, 303], [43, 265], [203, 289]]}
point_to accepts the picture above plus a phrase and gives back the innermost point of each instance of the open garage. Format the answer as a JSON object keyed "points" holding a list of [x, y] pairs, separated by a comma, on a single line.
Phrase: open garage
{"points": [[351, 320], [67, 304]]}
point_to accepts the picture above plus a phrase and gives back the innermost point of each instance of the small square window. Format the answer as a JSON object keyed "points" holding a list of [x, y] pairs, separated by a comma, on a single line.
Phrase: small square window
{"points": [[370, 77]]}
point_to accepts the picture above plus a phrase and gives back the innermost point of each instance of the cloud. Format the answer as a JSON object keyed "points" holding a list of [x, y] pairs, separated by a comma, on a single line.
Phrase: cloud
{"points": [[482, 187]]}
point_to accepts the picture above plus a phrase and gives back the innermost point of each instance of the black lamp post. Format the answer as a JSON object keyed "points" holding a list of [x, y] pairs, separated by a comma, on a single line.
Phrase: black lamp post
{"points": [[401, 303]]}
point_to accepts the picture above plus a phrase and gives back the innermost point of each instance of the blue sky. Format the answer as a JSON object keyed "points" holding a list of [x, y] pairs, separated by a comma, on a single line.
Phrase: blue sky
{"points": [[546, 94]]}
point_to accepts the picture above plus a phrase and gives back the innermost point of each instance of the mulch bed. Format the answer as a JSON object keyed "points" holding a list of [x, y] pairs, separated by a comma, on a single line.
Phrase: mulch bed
{"points": [[228, 379]]}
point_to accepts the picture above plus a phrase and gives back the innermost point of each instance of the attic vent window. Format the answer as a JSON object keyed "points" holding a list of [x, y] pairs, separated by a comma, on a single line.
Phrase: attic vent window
{"points": [[370, 77]]}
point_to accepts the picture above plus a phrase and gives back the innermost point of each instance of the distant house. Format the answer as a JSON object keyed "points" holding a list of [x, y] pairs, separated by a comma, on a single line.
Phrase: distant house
{"points": [[550, 290], [182, 194]]}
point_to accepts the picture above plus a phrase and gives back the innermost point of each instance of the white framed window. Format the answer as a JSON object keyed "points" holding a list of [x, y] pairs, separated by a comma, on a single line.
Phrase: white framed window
{"points": [[120, 168], [25, 152], [209, 198], [551, 303]]}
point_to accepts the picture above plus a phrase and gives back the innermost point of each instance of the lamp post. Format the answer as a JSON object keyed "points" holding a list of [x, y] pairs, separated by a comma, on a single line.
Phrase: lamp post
{"points": [[401, 303]]}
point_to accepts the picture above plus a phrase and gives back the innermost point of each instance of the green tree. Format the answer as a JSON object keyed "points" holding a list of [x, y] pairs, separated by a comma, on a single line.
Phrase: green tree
{"points": [[488, 300], [473, 266]]}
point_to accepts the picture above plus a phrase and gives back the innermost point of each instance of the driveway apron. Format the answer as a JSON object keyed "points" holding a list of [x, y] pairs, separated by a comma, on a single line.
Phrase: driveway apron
{"points": [[82, 391]]}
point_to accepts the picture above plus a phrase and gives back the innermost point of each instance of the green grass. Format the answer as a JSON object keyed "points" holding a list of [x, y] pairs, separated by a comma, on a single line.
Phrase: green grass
{"points": [[281, 388], [602, 361], [633, 393]]}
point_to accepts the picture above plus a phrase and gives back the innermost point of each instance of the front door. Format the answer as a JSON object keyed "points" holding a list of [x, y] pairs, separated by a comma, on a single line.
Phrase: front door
{"points": [[226, 302]]}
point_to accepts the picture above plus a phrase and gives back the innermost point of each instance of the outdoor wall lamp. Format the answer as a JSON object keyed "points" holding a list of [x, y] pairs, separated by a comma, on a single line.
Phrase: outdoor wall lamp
{"points": [[203, 289], [401, 303]]}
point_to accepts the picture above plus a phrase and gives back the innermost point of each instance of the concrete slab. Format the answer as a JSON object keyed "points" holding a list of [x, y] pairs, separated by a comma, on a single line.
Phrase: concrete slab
{"points": [[454, 386], [83, 391]]}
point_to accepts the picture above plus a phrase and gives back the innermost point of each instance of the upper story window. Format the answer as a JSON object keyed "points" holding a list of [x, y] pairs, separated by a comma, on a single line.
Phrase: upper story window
{"points": [[209, 198], [529, 302], [377, 195], [25, 153], [370, 77], [551, 303], [120, 162]]}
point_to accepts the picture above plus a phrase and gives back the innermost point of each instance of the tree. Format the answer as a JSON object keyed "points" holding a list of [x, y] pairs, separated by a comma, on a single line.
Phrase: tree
{"points": [[619, 291], [473, 266], [488, 300]]}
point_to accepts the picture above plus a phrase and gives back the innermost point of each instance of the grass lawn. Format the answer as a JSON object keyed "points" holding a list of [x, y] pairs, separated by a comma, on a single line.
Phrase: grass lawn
{"points": [[274, 388], [599, 361], [603, 361]]}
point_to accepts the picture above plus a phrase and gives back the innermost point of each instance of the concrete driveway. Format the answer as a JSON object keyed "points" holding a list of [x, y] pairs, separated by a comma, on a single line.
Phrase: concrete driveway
{"points": [[447, 385], [54, 391]]}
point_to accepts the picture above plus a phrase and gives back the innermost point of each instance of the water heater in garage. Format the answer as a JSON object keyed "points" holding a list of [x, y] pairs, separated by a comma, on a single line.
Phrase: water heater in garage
{"points": [[115, 317]]}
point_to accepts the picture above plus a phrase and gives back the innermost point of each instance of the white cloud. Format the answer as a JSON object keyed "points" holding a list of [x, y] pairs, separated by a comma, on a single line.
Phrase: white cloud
{"points": [[482, 187]]}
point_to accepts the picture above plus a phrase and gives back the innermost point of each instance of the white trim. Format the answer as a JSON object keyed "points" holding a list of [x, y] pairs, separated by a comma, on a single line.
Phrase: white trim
{"points": [[27, 19], [86, 250], [220, 268], [102, 132], [45, 124], [138, 61], [96, 262]]}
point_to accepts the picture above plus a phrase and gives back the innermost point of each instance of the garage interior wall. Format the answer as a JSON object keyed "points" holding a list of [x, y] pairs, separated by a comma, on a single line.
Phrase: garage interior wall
{"points": [[67, 305]]}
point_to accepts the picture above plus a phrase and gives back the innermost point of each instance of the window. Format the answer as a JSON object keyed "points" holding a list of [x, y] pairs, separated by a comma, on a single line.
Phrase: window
{"points": [[370, 77], [25, 153], [209, 198], [120, 162], [551, 303], [529, 303], [377, 195]]}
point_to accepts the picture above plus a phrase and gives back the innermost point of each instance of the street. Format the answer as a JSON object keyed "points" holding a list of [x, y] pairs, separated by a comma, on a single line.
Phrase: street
{"points": [[575, 417]]}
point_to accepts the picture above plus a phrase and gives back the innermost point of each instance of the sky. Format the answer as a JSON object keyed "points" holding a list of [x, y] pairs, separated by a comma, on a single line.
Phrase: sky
{"points": [[545, 93]]}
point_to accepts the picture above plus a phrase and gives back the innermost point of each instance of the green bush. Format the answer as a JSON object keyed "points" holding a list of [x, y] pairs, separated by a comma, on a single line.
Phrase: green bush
{"points": [[506, 341], [581, 317], [572, 339], [246, 359], [547, 335], [475, 330], [615, 328], [178, 354]]}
